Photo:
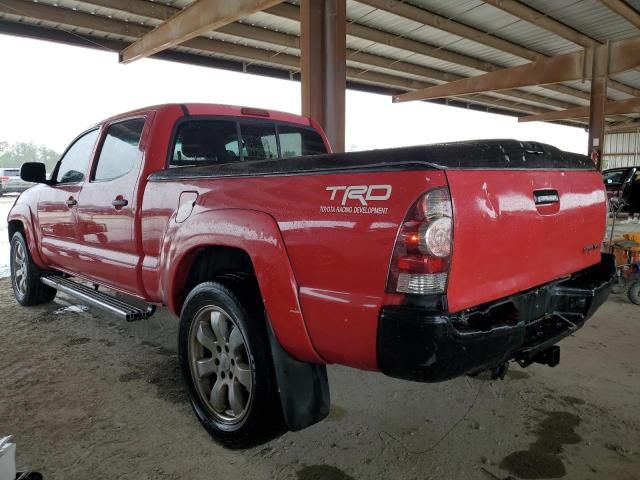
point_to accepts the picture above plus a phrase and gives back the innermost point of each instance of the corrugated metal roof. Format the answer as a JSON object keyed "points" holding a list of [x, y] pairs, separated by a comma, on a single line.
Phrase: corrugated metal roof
{"points": [[622, 150], [439, 49]]}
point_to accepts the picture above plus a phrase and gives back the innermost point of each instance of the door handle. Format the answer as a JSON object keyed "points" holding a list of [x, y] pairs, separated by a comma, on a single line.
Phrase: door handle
{"points": [[546, 197], [71, 202], [120, 202]]}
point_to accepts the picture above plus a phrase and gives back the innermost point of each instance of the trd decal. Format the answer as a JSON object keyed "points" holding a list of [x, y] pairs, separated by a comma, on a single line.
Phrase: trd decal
{"points": [[363, 193], [360, 197]]}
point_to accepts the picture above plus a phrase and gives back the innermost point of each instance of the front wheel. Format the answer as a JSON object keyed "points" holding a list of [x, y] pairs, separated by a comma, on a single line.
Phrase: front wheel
{"points": [[25, 275], [227, 366]]}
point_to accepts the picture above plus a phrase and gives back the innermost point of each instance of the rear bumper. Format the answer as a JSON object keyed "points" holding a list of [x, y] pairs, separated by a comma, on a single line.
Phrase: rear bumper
{"points": [[422, 345]]}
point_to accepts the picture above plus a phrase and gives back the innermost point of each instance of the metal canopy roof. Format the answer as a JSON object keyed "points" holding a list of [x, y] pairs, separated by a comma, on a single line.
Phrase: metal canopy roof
{"points": [[392, 46]]}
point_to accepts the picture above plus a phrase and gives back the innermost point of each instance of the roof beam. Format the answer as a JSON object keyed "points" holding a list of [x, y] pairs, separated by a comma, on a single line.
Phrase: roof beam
{"points": [[630, 126], [624, 10], [535, 17], [631, 105], [623, 55], [147, 9], [196, 19], [291, 12], [418, 14]]}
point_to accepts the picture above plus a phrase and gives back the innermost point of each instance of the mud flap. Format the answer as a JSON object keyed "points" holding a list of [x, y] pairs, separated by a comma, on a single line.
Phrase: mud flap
{"points": [[303, 387]]}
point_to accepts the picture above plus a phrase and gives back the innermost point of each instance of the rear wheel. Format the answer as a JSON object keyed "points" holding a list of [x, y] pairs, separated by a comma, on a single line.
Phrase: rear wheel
{"points": [[25, 275], [227, 366], [634, 292]]}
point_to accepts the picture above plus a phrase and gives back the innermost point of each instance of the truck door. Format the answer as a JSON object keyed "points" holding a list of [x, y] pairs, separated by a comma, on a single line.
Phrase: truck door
{"points": [[107, 207], [57, 204]]}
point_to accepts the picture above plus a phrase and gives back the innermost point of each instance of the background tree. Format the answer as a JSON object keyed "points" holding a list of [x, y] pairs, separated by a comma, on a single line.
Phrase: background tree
{"points": [[15, 154]]}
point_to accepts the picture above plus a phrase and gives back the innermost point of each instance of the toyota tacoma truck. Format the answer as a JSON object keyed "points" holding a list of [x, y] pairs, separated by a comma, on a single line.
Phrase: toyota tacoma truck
{"points": [[279, 257]]}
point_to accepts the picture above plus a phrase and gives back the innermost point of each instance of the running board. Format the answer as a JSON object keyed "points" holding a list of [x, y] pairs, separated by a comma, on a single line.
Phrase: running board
{"points": [[108, 303]]}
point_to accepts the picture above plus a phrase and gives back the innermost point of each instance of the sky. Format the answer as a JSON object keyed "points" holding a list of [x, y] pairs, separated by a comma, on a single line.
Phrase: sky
{"points": [[49, 93]]}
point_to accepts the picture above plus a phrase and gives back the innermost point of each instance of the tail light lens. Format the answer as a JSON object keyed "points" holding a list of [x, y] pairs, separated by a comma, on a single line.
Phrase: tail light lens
{"points": [[4, 180], [421, 255]]}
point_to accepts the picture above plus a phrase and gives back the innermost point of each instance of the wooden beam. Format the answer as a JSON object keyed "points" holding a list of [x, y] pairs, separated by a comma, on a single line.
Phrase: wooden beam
{"points": [[623, 55], [621, 107], [624, 10], [323, 65], [196, 19], [599, 74], [421, 15], [554, 70]]}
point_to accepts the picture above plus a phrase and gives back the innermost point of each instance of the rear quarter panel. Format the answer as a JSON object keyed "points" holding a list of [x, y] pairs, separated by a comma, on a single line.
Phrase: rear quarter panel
{"points": [[339, 249]]}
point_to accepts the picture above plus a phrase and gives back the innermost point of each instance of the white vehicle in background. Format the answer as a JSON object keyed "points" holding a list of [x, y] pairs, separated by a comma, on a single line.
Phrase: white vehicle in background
{"points": [[10, 181]]}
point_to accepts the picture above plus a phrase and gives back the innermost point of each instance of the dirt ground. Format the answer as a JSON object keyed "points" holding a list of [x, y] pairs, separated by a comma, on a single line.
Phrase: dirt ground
{"points": [[88, 397]]}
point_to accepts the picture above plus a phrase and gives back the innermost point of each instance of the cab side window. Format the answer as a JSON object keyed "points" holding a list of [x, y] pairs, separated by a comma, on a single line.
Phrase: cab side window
{"points": [[120, 151], [75, 163]]}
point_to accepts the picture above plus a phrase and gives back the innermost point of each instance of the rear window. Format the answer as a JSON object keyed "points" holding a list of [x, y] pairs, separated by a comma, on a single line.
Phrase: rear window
{"points": [[295, 141], [10, 172], [220, 141], [614, 177]]}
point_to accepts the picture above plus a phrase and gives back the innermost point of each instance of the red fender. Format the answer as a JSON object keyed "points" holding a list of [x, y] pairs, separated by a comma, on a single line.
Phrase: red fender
{"points": [[256, 233], [22, 213]]}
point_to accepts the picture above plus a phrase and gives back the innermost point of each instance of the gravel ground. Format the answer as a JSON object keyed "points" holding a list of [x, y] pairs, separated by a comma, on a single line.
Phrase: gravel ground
{"points": [[86, 396]]}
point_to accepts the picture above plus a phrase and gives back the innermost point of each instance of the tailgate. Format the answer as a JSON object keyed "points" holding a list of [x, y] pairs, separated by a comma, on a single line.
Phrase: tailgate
{"points": [[517, 229]]}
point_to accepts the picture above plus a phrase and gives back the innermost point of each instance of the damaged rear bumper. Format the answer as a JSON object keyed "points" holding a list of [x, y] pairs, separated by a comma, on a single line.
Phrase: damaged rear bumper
{"points": [[417, 344]]}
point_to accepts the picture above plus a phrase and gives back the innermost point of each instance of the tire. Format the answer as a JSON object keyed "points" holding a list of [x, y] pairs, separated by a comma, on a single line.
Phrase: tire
{"points": [[227, 366], [634, 292], [25, 275], [619, 284]]}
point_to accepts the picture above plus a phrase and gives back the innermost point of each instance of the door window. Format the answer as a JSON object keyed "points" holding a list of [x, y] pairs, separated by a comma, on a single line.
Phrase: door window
{"points": [[73, 166], [120, 151]]}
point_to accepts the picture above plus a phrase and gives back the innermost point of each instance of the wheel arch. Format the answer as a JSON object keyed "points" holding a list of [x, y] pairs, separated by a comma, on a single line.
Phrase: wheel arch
{"points": [[251, 241], [21, 220]]}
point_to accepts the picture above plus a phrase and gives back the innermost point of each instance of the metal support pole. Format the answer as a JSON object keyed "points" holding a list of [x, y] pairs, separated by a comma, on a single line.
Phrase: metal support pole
{"points": [[323, 65], [600, 71]]}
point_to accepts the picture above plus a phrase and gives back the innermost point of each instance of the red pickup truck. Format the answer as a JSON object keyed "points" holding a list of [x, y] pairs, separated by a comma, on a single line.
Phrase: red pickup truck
{"points": [[425, 263]]}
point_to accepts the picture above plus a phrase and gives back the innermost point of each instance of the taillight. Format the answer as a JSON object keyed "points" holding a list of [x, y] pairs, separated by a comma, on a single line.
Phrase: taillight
{"points": [[4, 180], [421, 255]]}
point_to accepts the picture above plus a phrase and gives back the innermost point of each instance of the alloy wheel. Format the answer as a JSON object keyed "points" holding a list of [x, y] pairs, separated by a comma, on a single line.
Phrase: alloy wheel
{"points": [[220, 365]]}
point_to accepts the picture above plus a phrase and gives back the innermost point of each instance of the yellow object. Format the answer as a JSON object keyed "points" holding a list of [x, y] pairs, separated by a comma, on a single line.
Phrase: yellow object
{"points": [[633, 236]]}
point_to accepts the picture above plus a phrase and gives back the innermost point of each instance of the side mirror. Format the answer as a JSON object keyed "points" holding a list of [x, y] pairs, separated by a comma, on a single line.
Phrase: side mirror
{"points": [[34, 172]]}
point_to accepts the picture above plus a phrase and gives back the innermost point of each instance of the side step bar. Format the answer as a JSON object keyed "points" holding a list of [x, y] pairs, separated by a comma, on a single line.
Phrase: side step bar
{"points": [[108, 303]]}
